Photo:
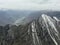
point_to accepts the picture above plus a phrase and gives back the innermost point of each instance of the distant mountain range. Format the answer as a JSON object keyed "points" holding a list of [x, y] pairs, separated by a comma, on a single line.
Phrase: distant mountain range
{"points": [[11, 16]]}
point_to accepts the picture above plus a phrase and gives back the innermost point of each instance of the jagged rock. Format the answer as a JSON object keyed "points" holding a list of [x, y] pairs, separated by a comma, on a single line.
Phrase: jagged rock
{"points": [[44, 30]]}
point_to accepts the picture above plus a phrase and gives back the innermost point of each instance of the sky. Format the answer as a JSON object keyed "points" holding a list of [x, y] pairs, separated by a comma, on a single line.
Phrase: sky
{"points": [[30, 4]]}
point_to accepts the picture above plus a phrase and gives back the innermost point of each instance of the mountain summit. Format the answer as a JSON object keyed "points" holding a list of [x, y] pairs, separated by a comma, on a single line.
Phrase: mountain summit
{"points": [[40, 30], [46, 27]]}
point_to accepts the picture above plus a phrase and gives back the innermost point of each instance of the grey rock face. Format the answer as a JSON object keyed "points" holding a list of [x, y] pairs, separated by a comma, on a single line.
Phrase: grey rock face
{"points": [[44, 30]]}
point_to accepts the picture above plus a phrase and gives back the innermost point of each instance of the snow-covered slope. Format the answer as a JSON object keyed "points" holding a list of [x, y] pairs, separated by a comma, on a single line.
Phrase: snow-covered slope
{"points": [[50, 24], [46, 27]]}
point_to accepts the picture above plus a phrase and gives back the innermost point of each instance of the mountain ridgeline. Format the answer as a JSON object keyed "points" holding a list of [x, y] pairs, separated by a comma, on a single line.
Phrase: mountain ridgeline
{"points": [[11, 16], [39, 30]]}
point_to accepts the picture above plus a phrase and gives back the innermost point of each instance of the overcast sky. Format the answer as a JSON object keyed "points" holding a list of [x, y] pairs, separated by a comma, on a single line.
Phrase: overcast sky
{"points": [[30, 4]]}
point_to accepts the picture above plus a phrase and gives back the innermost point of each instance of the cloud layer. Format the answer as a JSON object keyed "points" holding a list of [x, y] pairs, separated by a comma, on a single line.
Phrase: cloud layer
{"points": [[31, 4]]}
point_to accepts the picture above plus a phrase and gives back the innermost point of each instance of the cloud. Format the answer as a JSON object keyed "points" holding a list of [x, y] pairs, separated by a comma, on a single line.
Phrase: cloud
{"points": [[31, 4]]}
